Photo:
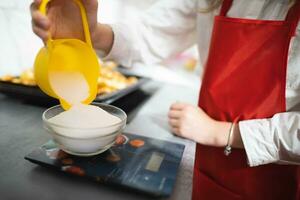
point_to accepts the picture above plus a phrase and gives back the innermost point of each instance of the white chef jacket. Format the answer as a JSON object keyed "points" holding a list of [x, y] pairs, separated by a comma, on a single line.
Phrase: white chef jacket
{"points": [[171, 26]]}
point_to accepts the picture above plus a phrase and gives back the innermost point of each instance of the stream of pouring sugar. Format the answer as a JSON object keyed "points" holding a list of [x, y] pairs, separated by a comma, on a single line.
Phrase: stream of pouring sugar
{"points": [[70, 86], [73, 88]]}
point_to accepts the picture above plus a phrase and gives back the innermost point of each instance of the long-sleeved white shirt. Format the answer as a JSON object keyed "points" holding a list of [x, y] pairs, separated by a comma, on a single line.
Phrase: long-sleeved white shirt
{"points": [[172, 26]]}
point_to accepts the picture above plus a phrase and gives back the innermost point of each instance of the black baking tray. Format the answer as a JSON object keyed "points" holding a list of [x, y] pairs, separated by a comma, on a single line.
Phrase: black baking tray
{"points": [[23, 91]]}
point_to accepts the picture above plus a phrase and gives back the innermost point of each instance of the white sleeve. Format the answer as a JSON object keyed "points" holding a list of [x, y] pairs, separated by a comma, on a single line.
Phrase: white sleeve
{"points": [[167, 28], [274, 140]]}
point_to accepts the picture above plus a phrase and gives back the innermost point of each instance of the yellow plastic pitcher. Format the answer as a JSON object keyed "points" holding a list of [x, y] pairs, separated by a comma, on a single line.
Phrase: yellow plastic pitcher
{"points": [[67, 55]]}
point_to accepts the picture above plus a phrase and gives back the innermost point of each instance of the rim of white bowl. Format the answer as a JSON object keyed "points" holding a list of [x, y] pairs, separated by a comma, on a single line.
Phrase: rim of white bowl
{"points": [[94, 128], [115, 133]]}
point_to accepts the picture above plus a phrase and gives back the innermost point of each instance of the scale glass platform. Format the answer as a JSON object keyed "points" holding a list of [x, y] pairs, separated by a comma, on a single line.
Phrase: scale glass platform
{"points": [[143, 164]]}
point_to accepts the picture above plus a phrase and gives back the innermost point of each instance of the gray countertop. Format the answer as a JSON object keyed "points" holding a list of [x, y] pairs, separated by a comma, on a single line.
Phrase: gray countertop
{"points": [[21, 131]]}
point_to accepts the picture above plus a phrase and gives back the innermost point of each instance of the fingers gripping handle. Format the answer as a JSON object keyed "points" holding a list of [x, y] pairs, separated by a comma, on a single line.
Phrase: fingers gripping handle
{"points": [[43, 10]]}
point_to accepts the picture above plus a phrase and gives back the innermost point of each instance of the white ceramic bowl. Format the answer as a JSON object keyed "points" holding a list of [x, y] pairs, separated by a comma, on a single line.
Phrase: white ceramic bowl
{"points": [[98, 140]]}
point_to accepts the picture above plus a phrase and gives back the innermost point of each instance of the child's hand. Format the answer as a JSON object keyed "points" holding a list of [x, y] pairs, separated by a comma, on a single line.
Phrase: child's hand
{"points": [[63, 19], [193, 123]]}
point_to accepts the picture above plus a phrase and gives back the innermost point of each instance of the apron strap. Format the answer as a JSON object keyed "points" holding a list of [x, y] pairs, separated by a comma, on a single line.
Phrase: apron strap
{"points": [[225, 7], [293, 17]]}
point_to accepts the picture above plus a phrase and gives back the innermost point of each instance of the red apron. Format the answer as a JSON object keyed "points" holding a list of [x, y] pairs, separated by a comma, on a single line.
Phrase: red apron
{"points": [[245, 78]]}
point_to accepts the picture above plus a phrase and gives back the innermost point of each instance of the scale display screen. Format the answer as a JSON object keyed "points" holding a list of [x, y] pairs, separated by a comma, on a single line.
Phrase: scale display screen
{"points": [[155, 161]]}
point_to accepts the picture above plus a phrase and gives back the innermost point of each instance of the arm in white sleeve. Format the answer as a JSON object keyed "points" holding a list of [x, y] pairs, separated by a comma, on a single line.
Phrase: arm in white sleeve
{"points": [[274, 140], [167, 28]]}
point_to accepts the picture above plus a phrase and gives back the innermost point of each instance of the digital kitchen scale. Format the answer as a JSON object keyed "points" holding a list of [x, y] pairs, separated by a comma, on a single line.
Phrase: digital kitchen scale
{"points": [[140, 163]]}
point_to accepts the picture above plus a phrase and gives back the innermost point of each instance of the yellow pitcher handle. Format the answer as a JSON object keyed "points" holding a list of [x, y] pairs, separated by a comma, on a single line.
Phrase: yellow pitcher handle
{"points": [[43, 10]]}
